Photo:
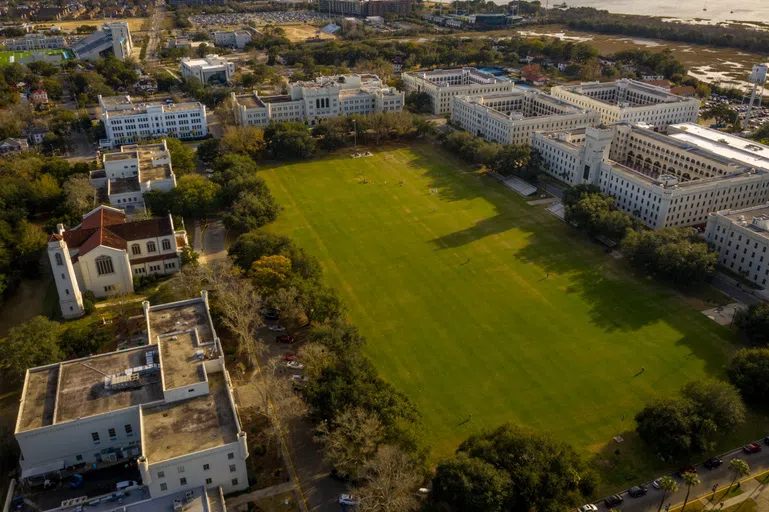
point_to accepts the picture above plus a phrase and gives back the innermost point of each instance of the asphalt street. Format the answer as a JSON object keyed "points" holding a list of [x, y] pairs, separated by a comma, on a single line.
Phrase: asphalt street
{"points": [[720, 476]]}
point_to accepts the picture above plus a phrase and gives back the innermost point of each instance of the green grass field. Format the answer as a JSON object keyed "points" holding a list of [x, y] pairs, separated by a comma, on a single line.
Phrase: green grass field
{"points": [[5, 56], [474, 302]]}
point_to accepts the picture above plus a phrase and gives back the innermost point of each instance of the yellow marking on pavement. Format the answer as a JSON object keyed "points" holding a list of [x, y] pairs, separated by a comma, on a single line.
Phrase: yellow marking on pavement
{"points": [[711, 493]]}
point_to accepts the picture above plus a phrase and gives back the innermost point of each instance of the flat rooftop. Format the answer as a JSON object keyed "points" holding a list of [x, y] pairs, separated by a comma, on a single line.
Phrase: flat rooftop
{"points": [[661, 95], [730, 146], [82, 393], [249, 101], [39, 400], [123, 185], [187, 426], [181, 318], [141, 108], [116, 101], [744, 217], [181, 366]]}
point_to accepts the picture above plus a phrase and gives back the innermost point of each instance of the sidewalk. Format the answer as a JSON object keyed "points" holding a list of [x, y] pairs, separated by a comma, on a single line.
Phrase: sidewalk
{"points": [[750, 487]]}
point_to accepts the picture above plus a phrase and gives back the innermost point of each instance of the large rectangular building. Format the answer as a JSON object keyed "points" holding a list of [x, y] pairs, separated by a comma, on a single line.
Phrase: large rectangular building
{"points": [[364, 7], [442, 85], [741, 238], [113, 38], [32, 42], [660, 180], [169, 403], [311, 102], [232, 38], [511, 117], [632, 101], [210, 70], [127, 122]]}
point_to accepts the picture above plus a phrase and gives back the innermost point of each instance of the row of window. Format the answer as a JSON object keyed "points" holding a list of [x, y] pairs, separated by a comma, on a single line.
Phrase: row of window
{"points": [[112, 433]]}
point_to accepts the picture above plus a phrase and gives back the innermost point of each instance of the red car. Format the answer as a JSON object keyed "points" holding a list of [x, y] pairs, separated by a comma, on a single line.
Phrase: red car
{"points": [[289, 356], [751, 448], [285, 338]]}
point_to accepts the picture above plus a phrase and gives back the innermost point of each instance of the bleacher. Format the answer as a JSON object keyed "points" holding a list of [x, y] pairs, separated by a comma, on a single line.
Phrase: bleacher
{"points": [[520, 186]]}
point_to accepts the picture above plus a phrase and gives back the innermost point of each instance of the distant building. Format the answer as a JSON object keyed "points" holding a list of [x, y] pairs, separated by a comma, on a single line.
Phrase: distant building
{"points": [[113, 38], [741, 238], [630, 100], [32, 42], [37, 135], [194, 2], [11, 145], [145, 83], [492, 20], [38, 96], [179, 42], [132, 172], [209, 70], [685, 91], [442, 85], [311, 102], [105, 251], [511, 117], [232, 38], [127, 122], [365, 7]]}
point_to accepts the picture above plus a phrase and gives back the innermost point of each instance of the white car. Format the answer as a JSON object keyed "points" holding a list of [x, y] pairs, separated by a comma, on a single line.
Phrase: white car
{"points": [[656, 484], [276, 328], [299, 378], [296, 365], [348, 499], [588, 508]]}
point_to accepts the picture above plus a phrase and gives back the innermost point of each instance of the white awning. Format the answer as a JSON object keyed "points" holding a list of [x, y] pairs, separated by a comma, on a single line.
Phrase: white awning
{"points": [[41, 470]]}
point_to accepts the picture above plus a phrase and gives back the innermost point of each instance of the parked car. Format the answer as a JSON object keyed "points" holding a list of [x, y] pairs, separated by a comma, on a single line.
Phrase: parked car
{"points": [[75, 481], [613, 501], [751, 448], [637, 491], [766, 440], [713, 463], [285, 338], [686, 469], [348, 499], [276, 328], [588, 508], [289, 356], [299, 378], [656, 483], [296, 365], [122, 486]]}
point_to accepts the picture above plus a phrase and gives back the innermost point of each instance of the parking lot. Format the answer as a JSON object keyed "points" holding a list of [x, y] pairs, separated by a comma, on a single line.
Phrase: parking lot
{"points": [[203, 20]]}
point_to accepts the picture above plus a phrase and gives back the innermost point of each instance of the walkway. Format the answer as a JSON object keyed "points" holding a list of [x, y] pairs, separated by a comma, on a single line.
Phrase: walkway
{"points": [[261, 493]]}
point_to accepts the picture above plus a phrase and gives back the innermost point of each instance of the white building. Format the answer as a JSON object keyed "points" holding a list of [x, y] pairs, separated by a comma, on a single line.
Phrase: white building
{"points": [[31, 42], [133, 171], [660, 180], [741, 238], [209, 70], [127, 122], [511, 117], [630, 100], [114, 37], [311, 102], [443, 84], [232, 38], [169, 403], [105, 252]]}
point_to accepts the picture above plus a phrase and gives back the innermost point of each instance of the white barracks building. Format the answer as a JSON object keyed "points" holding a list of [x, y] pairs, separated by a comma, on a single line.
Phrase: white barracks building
{"points": [[169, 403], [511, 117], [442, 85], [629, 100], [104, 253], [311, 102], [662, 180], [741, 238]]}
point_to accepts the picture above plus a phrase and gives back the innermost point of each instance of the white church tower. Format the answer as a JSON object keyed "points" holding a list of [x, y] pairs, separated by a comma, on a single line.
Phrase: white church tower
{"points": [[70, 298]]}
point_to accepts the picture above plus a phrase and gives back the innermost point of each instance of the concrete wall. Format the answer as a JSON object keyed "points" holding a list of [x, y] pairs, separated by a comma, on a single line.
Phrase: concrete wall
{"points": [[121, 279]]}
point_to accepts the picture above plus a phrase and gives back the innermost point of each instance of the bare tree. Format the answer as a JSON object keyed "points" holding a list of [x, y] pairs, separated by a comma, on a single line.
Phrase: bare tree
{"points": [[315, 357], [350, 441], [392, 480], [286, 302]]}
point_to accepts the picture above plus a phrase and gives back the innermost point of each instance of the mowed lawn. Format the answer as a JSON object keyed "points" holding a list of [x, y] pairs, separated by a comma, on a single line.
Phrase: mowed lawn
{"points": [[476, 303]]}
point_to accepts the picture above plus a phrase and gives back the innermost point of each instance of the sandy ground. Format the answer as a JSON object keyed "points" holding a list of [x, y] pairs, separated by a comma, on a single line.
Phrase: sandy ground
{"points": [[297, 33], [134, 24]]}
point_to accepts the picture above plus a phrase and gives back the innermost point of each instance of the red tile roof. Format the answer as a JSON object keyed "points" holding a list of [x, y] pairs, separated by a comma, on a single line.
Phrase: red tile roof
{"points": [[105, 237], [103, 217]]}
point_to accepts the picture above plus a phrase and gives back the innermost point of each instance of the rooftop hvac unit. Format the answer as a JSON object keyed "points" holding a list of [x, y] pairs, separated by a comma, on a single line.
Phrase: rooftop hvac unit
{"points": [[117, 382]]}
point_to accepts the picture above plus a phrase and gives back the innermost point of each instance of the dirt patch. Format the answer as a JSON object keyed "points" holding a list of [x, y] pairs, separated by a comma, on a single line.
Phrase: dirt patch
{"points": [[297, 33]]}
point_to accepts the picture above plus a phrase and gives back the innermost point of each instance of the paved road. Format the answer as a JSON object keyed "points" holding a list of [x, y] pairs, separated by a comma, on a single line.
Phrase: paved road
{"points": [[721, 476], [154, 34]]}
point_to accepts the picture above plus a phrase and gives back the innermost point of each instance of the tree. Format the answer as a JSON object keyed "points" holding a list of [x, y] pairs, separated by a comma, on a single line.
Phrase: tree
{"points": [[588, 212], [182, 156], [543, 474], [350, 440], [512, 159], [31, 344], [722, 113], [674, 253], [391, 480], [251, 211], [690, 480], [666, 425], [419, 102], [79, 195], [253, 245], [717, 401], [270, 272], [754, 323], [740, 468], [289, 140], [667, 486], [194, 196], [703, 90], [248, 140], [749, 372], [469, 484], [209, 150]]}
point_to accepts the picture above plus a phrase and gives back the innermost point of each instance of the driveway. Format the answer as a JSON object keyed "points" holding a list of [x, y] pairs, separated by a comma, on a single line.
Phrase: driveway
{"points": [[720, 476]]}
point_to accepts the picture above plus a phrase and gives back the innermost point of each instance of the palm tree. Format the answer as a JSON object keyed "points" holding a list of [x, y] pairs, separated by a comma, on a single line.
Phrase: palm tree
{"points": [[740, 468], [689, 479], [668, 486]]}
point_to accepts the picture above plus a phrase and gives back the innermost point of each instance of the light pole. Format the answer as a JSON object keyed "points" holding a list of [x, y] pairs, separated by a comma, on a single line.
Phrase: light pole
{"points": [[355, 133]]}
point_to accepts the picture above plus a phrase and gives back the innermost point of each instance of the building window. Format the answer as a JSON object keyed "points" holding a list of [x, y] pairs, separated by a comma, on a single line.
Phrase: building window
{"points": [[59, 259], [163, 487], [182, 481], [233, 468], [78, 458], [95, 437], [129, 429], [151, 247], [208, 481], [112, 433], [161, 474], [206, 467], [166, 245], [136, 249], [231, 455], [104, 266], [180, 469], [234, 481]]}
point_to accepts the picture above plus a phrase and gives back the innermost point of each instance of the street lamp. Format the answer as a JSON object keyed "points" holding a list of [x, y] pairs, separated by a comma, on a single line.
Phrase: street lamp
{"points": [[355, 133]]}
